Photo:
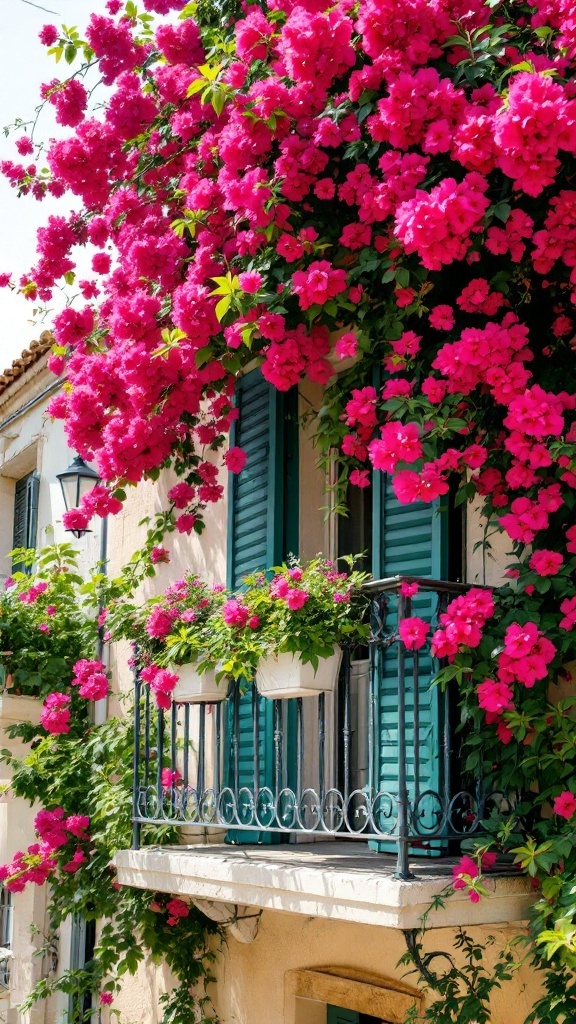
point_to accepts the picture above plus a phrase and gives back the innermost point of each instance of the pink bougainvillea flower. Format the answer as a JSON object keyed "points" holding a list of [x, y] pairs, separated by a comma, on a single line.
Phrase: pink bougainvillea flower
{"points": [[234, 613], [494, 696], [55, 716], [235, 459], [565, 805], [546, 563], [413, 632]]}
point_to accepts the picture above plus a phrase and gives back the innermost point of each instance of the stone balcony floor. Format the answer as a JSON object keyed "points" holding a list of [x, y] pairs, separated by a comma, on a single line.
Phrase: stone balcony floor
{"points": [[340, 880]]}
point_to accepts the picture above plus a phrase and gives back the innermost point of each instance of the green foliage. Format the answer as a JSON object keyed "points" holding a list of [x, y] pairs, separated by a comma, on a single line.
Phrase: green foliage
{"points": [[463, 989], [43, 635], [90, 773]]}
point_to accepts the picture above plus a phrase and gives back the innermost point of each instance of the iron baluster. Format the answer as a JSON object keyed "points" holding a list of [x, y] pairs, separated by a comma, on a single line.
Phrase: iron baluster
{"points": [[136, 826]]}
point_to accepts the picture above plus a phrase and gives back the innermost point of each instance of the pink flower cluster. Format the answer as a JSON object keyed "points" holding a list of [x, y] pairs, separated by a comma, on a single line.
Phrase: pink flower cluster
{"points": [[238, 615], [91, 680], [55, 716], [294, 597], [55, 831], [462, 623], [161, 682], [466, 874]]}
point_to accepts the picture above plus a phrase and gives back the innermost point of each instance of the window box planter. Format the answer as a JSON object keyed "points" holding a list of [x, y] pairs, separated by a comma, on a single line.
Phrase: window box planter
{"points": [[15, 709], [194, 687], [285, 675], [200, 835]]}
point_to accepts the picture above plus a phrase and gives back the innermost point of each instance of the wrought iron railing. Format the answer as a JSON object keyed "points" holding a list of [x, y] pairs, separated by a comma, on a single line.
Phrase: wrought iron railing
{"points": [[378, 760], [6, 911]]}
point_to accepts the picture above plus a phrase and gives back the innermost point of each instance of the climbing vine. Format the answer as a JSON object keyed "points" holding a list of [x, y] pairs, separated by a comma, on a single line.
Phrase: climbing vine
{"points": [[81, 777]]}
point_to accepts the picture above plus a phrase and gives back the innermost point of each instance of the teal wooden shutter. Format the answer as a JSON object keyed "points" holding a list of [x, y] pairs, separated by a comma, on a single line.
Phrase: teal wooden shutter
{"points": [[262, 530], [25, 513], [409, 540], [335, 1015], [82, 944]]}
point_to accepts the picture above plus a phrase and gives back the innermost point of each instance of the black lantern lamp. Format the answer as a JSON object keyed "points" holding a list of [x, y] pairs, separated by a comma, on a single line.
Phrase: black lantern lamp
{"points": [[75, 482]]}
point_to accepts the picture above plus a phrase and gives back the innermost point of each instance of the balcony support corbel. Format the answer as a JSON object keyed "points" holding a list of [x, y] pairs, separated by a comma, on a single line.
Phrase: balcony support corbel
{"points": [[239, 921]]}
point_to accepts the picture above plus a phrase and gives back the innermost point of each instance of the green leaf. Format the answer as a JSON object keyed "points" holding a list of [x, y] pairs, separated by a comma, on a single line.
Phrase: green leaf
{"points": [[222, 307]]}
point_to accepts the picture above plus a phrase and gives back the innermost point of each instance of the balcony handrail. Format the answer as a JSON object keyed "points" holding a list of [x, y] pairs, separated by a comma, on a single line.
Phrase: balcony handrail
{"points": [[392, 583]]}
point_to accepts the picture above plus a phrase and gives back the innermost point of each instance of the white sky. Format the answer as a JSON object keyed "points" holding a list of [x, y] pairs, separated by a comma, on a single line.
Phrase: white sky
{"points": [[24, 66]]}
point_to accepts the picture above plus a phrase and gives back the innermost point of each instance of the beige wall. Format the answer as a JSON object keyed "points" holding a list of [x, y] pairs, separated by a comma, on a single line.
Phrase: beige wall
{"points": [[253, 987]]}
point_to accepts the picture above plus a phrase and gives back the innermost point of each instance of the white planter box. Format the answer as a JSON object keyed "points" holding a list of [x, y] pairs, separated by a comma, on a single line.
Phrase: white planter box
{"points": [[284, 675], [194, 687], [15, 709], [200, 835]]}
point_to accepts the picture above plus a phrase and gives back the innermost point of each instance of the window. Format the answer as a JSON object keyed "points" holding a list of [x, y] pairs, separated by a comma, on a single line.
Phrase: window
{"points": [[82, 943], [5, 935], [25, 513], [336, 1015]]}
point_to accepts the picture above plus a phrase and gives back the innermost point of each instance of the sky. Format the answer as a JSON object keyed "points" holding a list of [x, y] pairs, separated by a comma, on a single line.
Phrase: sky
{"points": [[24, 66]]}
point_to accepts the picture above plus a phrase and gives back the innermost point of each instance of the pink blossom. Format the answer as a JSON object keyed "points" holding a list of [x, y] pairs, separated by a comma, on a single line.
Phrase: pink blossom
{"points": [[159, 554], [181, 494], [464, 872], [177, 908], [78, 859], [413, 632], [494, 696], [546, 563], [235, 459], [568, 607], [55, 717], [296, 598], [399, 443], [185, 523], [441, 318], [250, 281], [48, 35], [347, 345], [234, 613], [565, 805], [319, 283]]}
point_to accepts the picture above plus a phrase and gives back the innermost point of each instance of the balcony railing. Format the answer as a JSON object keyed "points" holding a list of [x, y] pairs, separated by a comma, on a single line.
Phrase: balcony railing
{"points": [[378, 760]]}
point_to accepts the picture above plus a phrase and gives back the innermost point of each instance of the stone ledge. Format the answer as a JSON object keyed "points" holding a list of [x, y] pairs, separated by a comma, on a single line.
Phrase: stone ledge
{"points": [[341, 881]]}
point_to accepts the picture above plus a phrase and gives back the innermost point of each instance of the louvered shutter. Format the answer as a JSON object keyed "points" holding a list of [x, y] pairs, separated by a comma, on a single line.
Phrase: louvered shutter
{"points": [[409, 540], [335, 1015], [262, 529], [25, 513]]}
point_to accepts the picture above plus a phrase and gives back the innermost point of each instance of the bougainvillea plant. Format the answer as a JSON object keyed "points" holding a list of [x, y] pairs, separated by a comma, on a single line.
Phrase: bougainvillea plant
{"points": [[83, 779], [46, 623], [389, 184]]}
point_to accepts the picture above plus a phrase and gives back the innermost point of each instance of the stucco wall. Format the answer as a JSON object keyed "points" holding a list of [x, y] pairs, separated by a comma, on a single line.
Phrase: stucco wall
{"points": [[252, 986]]}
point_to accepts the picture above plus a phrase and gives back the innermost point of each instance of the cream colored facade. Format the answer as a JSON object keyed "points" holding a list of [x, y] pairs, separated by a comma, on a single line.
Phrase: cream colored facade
{"points": [[304, 925]]}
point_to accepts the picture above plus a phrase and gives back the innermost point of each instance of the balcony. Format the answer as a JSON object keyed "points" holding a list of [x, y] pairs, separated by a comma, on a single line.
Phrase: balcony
{"points": [[377, 762], [351, 805]]}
